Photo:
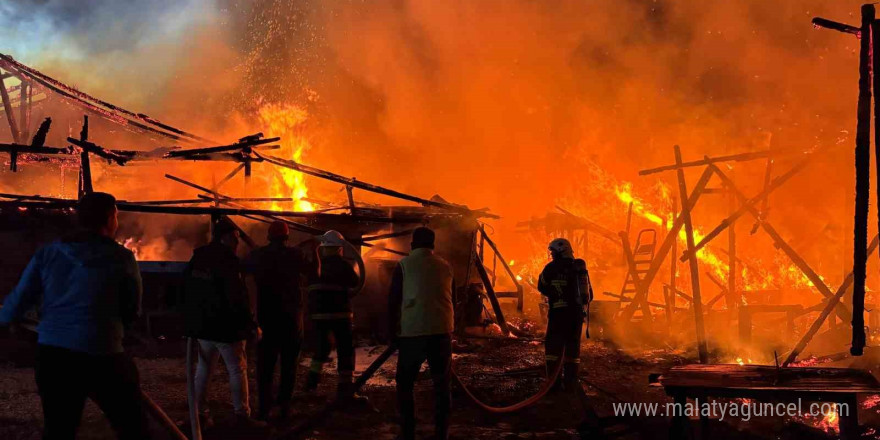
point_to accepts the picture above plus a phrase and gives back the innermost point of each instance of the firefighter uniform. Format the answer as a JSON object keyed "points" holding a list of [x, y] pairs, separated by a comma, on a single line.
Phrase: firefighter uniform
{"points": [[330, 309], [565, 283]]}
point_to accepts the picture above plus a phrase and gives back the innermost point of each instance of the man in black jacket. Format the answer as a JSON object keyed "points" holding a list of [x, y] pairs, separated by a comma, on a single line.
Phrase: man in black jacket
{"points": [[217, 312], [277, 270]]}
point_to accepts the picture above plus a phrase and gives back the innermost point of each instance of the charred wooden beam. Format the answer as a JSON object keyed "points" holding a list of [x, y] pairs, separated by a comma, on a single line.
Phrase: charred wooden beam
{"points": [[592, 226], [10, 117], [241, 145], [694, 265], [490, 292], [640, 299], [836, 26], [229, 176], [706, 161], [99, 151], [85, 167], [316, 172]]}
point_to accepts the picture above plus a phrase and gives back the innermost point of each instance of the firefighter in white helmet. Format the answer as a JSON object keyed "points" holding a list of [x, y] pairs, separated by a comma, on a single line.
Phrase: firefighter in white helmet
{"points": [[331, 287], [566, 284]]}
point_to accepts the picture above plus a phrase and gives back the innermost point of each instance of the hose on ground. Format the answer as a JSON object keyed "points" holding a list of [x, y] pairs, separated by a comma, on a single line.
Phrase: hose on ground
{"points": [[545, 388], [156, 411], [191, 393]]}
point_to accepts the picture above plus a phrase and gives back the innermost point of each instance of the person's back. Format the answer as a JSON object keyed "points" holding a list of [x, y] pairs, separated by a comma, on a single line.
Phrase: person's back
{"points": [[90, 289], [427, 295], [277, 270], [330, 288], [215, 300]]}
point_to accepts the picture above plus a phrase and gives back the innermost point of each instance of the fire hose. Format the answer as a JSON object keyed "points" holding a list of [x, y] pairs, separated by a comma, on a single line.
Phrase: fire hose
{"points": [[545, 388], [191, 392]]}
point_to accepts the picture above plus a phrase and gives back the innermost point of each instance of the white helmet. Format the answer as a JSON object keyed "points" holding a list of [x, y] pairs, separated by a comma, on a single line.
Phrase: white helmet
{"points": [[560, 248], [332, 238]]}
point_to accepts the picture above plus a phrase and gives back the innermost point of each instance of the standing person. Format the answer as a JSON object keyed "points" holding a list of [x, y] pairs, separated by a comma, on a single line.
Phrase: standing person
{"points": [[90, 289], [331, 288], [277, 270], [217, 312], [565, 283], [421, 311]]}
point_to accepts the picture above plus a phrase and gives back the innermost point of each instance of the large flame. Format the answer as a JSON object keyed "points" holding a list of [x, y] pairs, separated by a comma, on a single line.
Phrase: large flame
{"points": [[287, 121]]}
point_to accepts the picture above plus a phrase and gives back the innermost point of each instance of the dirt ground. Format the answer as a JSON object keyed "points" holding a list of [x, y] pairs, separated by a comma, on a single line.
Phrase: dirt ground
{"points": [[497, 371]]}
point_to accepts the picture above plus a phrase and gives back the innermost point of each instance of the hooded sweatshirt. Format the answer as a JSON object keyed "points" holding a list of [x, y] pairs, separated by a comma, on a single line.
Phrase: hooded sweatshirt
{"points": [[89, 289]]}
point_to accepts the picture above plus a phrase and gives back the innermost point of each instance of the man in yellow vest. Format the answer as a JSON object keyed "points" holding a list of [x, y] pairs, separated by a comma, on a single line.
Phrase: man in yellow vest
{"points": [[420, 307]]}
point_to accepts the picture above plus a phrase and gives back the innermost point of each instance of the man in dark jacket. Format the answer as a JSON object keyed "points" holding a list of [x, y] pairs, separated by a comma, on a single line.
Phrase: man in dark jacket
{"points": [[331, 288], [277, 270], [90, 289], [217, 312], [422, 320], [565, 283]]}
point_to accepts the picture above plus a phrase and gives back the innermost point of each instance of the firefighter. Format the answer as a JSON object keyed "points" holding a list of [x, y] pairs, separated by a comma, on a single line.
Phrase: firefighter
{"points": [[565, 283], [331, 287], [277, 270]]}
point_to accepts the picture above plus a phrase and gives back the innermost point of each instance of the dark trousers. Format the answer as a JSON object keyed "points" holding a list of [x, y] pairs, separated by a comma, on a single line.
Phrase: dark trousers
{"points": [[341, 329], [275, 344], [437, 350], [66, 378], [564, 328]]}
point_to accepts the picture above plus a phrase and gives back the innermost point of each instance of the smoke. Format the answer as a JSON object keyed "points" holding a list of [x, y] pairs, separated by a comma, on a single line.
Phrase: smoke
{"points": [[508, 104]]}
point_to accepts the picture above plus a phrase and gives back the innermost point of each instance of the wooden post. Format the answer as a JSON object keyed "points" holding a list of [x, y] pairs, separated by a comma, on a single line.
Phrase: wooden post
{"points": [[733, 300], [673, 268], [7, 108], [863, 175], [490, 292], [85, 168], [24, 116], [629, 218], [694, 267], [349, 191]]}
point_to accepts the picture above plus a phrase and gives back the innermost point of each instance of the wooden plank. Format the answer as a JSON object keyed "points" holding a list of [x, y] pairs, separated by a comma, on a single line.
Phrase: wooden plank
{"points": [[85, 167], [490, 292], [694, 265], [768, 377], [706, 161]]}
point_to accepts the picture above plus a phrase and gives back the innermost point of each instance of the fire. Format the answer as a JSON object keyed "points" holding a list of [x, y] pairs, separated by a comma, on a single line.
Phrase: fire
{"points": [[287, 121]]}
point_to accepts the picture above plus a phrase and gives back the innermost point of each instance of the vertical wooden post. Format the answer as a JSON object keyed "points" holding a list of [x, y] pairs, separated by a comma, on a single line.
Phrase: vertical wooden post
{"points": [[863, 183], [24, 118], [348, 190], [695, 270], [733, 298], [669, 292], [85, 168], [673, 263], [7, 107]]}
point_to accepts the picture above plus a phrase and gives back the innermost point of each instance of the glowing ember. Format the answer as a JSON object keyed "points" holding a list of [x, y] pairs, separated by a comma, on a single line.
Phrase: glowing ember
{"points": [[286, 120]]}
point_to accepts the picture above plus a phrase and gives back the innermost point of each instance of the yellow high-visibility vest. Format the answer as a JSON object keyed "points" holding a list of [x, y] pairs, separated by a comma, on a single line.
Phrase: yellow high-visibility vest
{"points": [[427, 295]]}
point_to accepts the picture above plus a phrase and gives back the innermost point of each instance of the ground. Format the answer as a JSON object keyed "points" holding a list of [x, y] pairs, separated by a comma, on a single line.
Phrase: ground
{"points": [[497, 371]]}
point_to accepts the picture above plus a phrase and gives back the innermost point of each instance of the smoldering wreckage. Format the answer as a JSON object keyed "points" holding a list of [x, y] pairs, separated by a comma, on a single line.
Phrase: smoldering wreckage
{"points": [[683, 350]]}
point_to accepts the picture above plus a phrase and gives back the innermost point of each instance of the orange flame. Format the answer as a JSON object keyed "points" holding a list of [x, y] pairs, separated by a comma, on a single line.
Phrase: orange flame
{"points": [[287, 120]]}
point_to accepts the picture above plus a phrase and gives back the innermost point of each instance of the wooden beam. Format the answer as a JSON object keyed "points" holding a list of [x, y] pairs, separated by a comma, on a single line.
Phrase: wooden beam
{"points": [[706, 161], [10, 117], [694, 265], [85, 167], [490, 292], [780, 243], [830, 304]]}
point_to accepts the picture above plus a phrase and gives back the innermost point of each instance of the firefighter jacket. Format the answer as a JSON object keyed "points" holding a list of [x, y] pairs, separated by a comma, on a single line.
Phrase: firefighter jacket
{"points": [[565, 283], [421, 295], [215, 301], [330, 289]]}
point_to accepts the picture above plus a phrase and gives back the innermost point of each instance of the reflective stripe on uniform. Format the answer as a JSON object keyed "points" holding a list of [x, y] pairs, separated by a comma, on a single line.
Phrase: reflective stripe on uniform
{"points": [[559, 304], [551, 357], [339, 315], [571, 360], [328, 287]]}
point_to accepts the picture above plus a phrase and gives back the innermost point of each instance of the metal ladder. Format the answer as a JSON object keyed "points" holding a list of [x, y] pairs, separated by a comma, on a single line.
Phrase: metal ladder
{"points": [[643, 255]]}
